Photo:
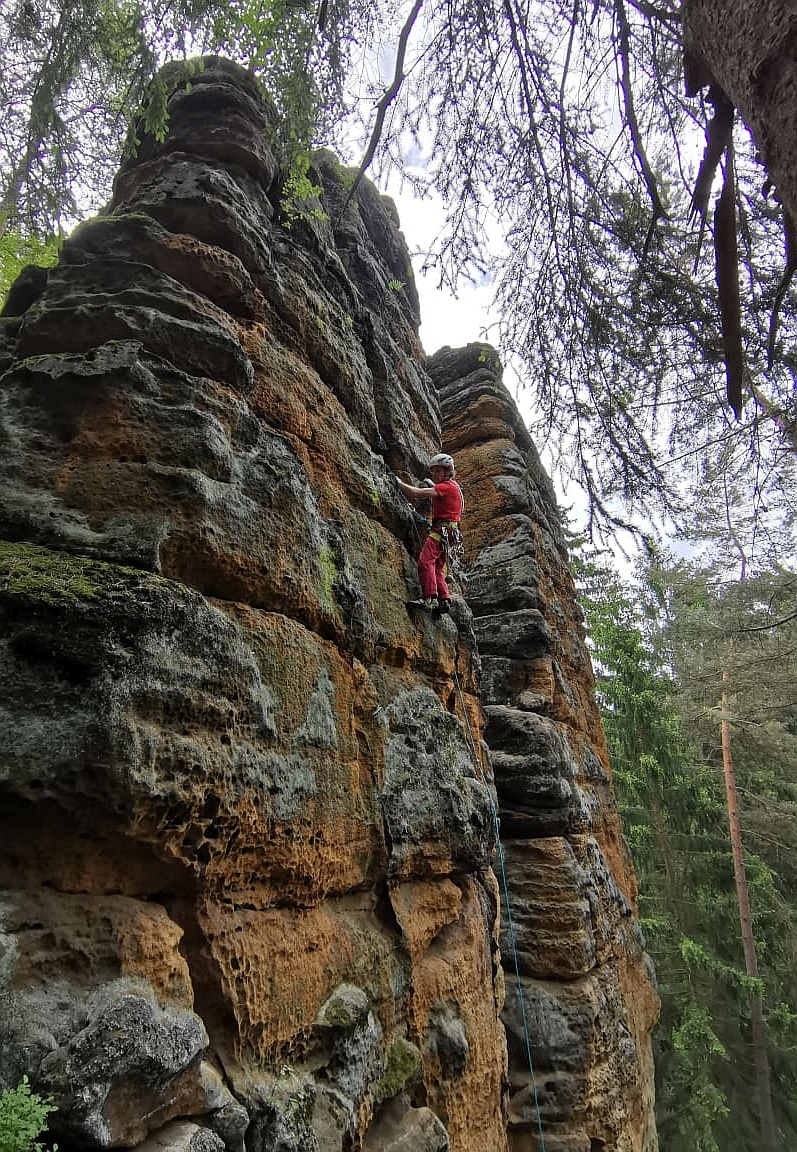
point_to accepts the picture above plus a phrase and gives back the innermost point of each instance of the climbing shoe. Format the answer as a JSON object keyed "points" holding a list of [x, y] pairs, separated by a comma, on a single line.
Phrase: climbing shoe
{"points": [[424, 605], [442, 608]]}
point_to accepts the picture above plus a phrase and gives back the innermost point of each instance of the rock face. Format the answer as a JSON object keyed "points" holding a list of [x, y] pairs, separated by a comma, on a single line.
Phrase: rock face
{"points": [[580, 1002], [246, 839]]}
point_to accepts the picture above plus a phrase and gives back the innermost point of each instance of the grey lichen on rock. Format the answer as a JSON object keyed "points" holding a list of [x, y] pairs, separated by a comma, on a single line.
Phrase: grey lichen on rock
{"points": [[431, 797], [130, 1069], [398, 1127], [183, 1136], [319, 724], [447, 1040], [283, 1115]]}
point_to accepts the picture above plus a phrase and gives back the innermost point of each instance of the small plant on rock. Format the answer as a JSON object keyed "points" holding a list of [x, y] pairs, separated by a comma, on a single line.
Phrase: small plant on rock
{"points": [[23, 1117], [299, 192]]}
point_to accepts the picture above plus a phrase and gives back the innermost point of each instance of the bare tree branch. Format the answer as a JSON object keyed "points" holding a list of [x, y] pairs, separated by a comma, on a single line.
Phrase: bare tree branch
{"points": [[382, 107]]}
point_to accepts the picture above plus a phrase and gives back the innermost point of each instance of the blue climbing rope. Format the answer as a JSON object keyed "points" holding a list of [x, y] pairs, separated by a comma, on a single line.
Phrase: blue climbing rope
{"points": [[505, 886]]}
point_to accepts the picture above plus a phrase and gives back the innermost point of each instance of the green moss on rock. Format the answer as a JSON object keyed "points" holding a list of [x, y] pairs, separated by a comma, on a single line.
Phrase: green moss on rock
{"points": [[59, 579], [345, 1009], [403, 1065]]}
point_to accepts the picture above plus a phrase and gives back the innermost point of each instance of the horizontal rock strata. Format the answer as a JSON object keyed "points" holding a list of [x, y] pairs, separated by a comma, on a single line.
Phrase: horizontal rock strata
{"points": [[580, 999], [244, 851]]}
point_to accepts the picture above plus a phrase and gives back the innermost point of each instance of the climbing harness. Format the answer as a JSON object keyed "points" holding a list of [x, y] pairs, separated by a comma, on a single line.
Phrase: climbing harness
{"points": [[505, 888], [447, 533], [417, 518], [450, 537]]}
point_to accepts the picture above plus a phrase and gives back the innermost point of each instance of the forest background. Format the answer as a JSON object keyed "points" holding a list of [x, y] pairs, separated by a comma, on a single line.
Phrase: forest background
{"points": [[641, 262]]}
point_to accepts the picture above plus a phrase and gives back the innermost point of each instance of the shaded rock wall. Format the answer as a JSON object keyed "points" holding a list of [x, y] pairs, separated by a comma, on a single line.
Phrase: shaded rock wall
{"points": [[586, 981], [246, 893]]}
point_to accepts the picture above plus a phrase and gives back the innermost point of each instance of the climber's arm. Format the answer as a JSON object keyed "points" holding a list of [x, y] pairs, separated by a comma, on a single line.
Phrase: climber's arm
{"points": [[413, 492]]}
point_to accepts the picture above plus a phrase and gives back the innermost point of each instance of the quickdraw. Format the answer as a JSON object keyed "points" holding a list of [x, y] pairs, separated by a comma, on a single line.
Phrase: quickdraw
{"points": [[450, 536]]}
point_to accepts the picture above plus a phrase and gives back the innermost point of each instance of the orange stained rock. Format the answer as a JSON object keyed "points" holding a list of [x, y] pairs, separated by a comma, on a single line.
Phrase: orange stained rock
{"points": [[423, 909], [449, 977], [278, 966], [101, 936]]}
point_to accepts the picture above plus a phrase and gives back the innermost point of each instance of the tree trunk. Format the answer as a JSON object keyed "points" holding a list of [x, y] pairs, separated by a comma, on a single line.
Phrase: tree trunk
{"points": [[760, 1058], [748, 48]]}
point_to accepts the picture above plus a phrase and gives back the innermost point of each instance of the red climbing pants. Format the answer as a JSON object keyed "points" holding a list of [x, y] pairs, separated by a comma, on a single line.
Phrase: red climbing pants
{"points": [[431, 569]]}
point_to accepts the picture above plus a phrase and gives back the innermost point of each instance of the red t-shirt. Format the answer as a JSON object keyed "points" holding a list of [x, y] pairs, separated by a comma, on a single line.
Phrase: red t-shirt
{"points": [[447, 503]]}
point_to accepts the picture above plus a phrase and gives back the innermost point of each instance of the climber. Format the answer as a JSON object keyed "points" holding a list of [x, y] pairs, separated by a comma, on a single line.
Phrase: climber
{"points": [[444, 539]]}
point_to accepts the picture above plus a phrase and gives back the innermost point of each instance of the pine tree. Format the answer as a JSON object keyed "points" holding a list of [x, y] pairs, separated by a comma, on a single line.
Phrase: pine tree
{"points": [[664, 733]]}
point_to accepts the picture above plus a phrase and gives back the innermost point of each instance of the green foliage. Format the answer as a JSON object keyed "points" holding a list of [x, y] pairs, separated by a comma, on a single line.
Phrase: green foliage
{"points": [[17, 250], [346, 177], [23, 1117], [279, 40], [694, 1046], [84, 73], [602, 302], [660, 647], [66, 107], [153, 115], [299, 191], [490, 357]]}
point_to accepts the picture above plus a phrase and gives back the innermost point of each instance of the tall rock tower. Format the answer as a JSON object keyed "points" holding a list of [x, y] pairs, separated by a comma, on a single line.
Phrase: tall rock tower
{"points": [[580, 989], [248, 824]]}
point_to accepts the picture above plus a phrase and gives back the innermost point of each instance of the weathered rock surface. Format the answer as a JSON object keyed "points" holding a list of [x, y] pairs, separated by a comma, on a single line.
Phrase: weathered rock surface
{"points": [[245, 889], [588, 1001], [231, 784]]}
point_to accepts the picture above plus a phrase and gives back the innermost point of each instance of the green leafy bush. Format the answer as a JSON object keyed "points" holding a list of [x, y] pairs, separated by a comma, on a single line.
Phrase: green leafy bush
{"points": [[23, 1117], [17, 250]]}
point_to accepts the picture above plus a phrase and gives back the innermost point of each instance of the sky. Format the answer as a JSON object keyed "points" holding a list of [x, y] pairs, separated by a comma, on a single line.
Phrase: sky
{"points": [[459, 320], [445, 319]]}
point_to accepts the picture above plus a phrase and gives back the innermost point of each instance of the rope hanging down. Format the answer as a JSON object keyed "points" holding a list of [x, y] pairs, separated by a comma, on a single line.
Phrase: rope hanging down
{"points": [[505, 888]]}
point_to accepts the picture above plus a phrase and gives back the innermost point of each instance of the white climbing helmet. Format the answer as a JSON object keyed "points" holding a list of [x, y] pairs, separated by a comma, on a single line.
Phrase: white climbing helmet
{"points": [[442, 460]]}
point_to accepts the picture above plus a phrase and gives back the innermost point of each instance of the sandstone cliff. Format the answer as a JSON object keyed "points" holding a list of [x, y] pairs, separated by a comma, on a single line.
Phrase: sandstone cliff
{"points": [[246, 839], [583, 980]]}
